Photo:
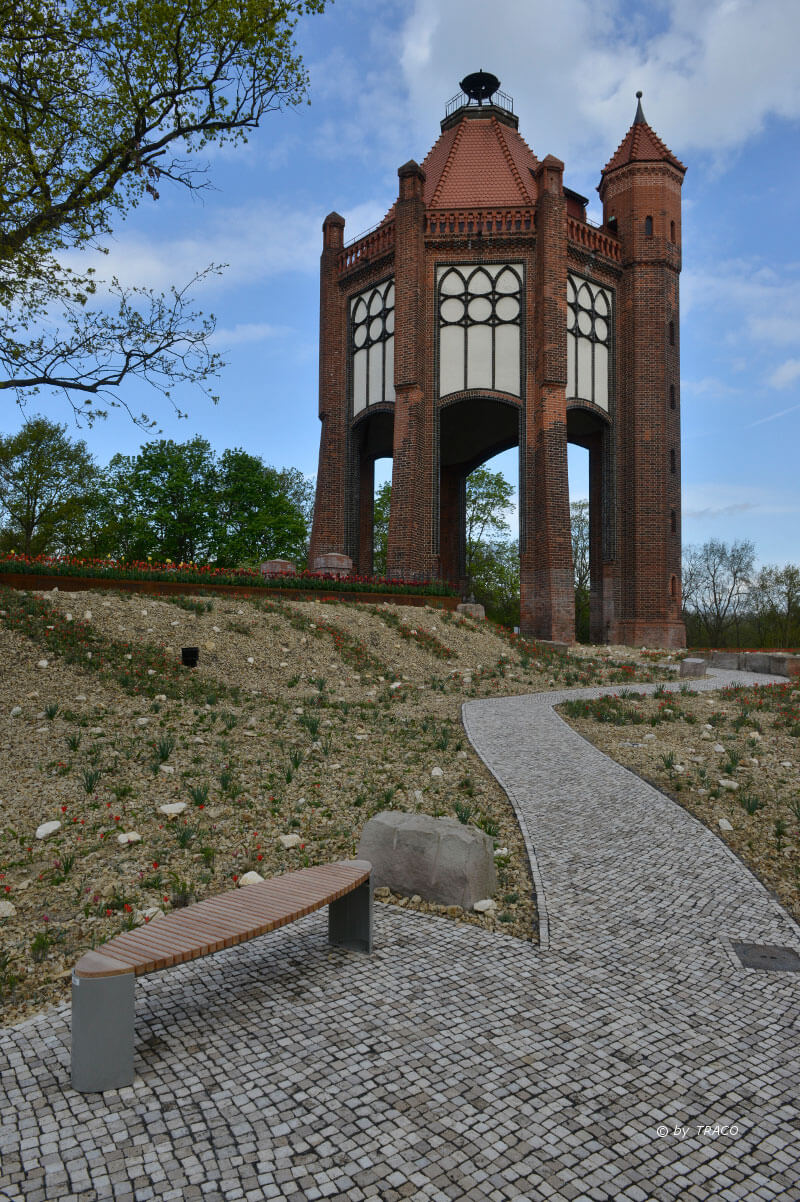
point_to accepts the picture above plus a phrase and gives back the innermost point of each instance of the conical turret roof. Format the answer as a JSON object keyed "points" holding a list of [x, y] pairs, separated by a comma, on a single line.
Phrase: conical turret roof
{"points": [[641, 144]]}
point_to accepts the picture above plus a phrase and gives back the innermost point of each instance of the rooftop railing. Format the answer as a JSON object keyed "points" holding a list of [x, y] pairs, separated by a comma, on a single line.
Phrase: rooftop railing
{"points": [[461, 101]]}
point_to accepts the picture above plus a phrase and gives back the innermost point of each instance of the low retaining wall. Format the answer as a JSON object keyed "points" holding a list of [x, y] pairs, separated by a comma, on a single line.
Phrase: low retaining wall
{"points": [[775, 663], [34, 582]]}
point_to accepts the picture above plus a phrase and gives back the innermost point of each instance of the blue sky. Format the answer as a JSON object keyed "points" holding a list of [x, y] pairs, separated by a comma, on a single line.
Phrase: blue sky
{"points": [[721, 87]]}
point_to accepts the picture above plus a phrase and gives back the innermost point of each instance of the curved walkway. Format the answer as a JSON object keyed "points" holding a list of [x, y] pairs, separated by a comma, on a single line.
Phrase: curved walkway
{"points": [[453, 1064]]}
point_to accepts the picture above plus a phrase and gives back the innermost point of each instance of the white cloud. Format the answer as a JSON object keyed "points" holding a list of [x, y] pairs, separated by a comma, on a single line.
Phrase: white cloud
{"points": [[748, 299], [785, 375], [712, 71], [255, 241]]}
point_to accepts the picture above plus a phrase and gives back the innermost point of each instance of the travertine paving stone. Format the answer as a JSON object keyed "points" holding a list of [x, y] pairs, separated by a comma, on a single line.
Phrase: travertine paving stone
{"points": [[453, 1064]]}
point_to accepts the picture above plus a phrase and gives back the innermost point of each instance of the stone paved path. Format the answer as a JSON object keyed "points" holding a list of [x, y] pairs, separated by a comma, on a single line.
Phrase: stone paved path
{"points": [[453, 1064]]}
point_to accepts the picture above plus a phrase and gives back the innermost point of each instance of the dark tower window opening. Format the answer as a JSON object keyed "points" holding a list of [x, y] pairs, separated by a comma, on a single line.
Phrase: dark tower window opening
{"points": [[672, 396], [648, 227], [673, 521], [672, 460], [672, 231]]}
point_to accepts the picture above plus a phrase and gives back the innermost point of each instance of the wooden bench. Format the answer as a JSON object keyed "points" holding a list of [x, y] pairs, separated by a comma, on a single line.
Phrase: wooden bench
{"points": [[103, 980]]}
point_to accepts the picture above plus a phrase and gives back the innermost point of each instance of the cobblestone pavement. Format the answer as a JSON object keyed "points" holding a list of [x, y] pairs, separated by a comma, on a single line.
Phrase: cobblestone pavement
{"points": [[454, 1064]]}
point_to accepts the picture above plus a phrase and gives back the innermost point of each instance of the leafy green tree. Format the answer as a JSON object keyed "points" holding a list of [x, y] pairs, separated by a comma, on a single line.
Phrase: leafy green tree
{"points": [[489, 497], [380, 528], [255, 519], [496, 580], [579, 516], [102, 103], [164, 501], [299, 489], [47, 484]]}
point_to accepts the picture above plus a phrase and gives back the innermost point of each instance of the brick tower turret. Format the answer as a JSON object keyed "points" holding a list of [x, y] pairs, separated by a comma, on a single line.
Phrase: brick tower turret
{"points": [[485, 312], [641, 194]]}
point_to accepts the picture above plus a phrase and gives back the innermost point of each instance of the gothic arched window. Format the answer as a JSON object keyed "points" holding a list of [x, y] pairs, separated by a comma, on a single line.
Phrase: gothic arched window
{"points": [[588, 340], [372, 345], [480, 319]]}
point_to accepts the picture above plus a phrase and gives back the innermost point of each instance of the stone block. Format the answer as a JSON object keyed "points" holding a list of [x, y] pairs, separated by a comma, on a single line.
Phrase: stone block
{"points": [[332, 564], [784, 665], [441, 859], [725, 659], [755, 661], [277, 567], [692, 668], [473, 609]]}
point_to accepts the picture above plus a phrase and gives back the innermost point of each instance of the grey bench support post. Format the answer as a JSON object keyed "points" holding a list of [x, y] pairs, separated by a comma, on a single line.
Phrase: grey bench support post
{"points": [[103, 1012], [350, 919]]}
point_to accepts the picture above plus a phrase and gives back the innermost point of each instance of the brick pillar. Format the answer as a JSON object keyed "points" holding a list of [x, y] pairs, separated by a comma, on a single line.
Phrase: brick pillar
{"points": [[452, 524], [328, 531], [645, 200], [410, 550], [546, 578]]}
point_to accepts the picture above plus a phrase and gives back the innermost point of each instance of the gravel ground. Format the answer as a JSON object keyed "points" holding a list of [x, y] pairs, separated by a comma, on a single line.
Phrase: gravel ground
{"points": [[720, 755], [302, 718]]}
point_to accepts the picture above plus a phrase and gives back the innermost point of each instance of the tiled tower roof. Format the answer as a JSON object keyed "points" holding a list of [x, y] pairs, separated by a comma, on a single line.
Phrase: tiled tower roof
{"points": [[479, 161], [641, 144]]}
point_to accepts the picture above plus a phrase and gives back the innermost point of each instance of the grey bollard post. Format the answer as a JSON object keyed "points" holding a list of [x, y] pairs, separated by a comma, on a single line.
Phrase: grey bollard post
{"points": [[350, 919], [103, 1012]]}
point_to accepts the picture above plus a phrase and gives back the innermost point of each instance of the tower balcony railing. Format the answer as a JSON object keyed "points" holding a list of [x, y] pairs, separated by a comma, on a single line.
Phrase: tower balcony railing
{"points": [[371, 245], [593, 238], [461, 101], [484, 223]]}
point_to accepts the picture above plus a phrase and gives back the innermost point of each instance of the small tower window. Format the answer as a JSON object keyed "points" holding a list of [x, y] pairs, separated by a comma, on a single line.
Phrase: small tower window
{"points": [[672, 231], [672, 396], [673, 521], [672, 460], [648, 227], [672, 333]]}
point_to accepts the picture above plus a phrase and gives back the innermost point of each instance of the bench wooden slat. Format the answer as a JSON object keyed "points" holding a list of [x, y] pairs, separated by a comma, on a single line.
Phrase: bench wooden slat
{"points": [[220, 922]]}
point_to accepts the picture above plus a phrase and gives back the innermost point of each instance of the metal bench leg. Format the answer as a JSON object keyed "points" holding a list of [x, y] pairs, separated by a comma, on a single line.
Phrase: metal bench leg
{"points": [[350, 919], [102, 1032]]}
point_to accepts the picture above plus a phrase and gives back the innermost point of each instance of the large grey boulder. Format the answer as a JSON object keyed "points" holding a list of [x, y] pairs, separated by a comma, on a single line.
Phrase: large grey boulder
{"points": [[441, 859]]}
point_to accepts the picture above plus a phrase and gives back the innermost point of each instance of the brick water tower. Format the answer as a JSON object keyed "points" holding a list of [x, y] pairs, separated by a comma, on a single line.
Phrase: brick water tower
{"points": [[485, 312]]}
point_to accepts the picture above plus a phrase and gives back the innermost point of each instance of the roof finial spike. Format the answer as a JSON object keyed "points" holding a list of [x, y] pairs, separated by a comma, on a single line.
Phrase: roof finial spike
{"points": [[639, 119]]}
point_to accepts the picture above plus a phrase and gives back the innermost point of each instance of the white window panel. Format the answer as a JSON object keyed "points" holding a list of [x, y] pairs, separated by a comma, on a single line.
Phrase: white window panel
{"points": [[375, 373], [506, 359], [584, 391], [480, 319], [372, 345], [389, 379], [479, 357], [451, 359], [601, 376], [589, 317], [359, 381]]}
